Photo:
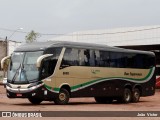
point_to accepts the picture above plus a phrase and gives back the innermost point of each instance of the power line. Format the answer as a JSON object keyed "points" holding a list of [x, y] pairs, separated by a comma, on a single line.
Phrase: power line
{"points": [[11, 30], [85, 34]]}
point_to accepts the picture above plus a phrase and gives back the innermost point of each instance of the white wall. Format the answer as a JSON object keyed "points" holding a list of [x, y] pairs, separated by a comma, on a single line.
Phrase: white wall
{"points": [[12, 45]]}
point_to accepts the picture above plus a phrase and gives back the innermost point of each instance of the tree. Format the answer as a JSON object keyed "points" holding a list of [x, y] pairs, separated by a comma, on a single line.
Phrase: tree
{"points": [[31, 36]]}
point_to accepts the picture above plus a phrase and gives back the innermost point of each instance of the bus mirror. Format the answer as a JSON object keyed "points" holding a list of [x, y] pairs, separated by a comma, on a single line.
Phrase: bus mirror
{"points": [[5, 62], [41, 58]]}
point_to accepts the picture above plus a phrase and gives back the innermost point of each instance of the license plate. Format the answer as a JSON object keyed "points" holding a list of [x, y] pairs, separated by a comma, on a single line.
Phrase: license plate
{"points": [[19, 95]]}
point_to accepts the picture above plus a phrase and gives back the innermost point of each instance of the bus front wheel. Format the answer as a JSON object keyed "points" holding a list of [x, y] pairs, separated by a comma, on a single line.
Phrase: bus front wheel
{"points": [[62, 98], [35, 101]]}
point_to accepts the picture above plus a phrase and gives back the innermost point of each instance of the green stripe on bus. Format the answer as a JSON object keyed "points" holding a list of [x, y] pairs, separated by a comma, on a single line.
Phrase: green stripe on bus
{"points": [[90, 82], [51, 88], [56, 89], [48, 87], [101, 79]]}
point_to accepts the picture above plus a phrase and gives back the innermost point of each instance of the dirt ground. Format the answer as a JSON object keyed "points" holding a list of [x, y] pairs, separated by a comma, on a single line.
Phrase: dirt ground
{"points": [[151, 103]]}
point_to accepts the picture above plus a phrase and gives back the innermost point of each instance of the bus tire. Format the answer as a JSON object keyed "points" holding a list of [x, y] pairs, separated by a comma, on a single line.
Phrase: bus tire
{"points": [[126, 97], [62, 98], [35, 101], [103, 100], [135, 95]]}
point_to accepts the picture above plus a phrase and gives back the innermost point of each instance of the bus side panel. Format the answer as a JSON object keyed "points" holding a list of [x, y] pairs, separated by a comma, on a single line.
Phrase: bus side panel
{"points": [[105, 88], [115, 88], [148, 88]]}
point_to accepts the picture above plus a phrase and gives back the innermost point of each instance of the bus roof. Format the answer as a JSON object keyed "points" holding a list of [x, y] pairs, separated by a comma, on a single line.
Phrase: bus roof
{"points": [[37, 46]]}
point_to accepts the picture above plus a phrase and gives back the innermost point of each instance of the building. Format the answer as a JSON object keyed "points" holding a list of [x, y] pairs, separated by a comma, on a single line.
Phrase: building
{"points": [[7, 47]]}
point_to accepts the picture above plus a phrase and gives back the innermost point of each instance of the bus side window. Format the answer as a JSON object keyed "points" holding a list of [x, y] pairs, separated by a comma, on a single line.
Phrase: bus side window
{"points": [[130, 60], [97, 58], [81, 57], [86, 57], [120, 60], [139, 61], [113, 59], [104, 59], [149, 61], [70, 57], [92, 58]]}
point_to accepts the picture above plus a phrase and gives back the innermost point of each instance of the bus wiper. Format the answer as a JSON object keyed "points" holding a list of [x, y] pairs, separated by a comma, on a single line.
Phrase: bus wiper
{"points": [[23, 71], [15, 76]]}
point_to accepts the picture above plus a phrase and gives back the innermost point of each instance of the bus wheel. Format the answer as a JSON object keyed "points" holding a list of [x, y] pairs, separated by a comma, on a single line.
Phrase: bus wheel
{"points": [[126, 98], [135, 95], [62, 98], [35, 101]]}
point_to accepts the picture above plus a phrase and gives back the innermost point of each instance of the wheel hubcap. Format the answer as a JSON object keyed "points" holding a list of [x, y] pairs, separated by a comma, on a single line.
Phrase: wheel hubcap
{"points": [[62, 96], [136, 94], [127, 97]]}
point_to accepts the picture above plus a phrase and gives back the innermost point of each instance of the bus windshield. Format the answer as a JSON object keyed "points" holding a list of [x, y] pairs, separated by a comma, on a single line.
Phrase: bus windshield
{"points": [[22, 68]]}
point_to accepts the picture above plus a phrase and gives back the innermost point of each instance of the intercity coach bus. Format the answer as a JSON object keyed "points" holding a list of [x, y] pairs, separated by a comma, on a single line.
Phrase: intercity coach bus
{"points": [[56, 71]]}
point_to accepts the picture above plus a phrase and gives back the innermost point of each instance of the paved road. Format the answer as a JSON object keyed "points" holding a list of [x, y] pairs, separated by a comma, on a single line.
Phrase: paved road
{"points": [[151, 103]]}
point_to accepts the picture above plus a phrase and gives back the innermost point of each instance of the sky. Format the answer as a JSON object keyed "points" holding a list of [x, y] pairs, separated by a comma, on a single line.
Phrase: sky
{"points": [[67, 16]]}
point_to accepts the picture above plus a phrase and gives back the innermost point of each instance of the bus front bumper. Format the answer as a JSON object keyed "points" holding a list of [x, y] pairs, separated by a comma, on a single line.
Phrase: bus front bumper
{"points": [[38, 91]]}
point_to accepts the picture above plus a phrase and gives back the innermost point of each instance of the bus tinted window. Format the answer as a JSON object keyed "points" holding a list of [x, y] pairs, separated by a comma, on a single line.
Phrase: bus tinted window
{"points": [[104, 59], [120, 60], [55, 51], [78, 57], [113, 59], [149, 61], [92, 58], [129, 60], [139, 61], [49, 64], [81, 57], [97, 58], [143, 61], [70, 57], [86, 57]]}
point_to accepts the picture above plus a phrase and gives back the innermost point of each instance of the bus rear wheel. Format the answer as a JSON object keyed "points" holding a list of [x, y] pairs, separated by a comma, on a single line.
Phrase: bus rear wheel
{"points": [[35, 101], [62, 98], [126, 97], [103, 100], [136, 95]]}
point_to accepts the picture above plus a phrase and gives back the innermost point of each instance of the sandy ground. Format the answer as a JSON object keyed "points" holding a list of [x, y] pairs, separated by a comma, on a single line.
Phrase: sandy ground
{"points": [[151, 103]]}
